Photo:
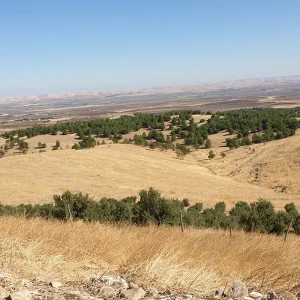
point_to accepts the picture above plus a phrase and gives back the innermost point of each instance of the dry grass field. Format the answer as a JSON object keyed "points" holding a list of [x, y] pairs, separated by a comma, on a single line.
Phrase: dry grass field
{"points": [[120, 170], [274, 165], [197, 259], [66, 141]]}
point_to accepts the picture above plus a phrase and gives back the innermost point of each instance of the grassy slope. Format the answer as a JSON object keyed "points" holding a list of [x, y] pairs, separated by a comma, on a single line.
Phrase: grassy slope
{"points": [[274, 165], [199, 259], [118, 171]]}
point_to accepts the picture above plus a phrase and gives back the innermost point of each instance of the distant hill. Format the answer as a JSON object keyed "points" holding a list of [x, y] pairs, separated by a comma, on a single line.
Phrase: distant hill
{"points": [[269, 82]]}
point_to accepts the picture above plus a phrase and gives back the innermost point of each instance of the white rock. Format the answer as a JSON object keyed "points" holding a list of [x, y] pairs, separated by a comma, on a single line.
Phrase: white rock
{"points": [[5, 277], [114, 281], [56, 284], [133, 285], [40, 279], [26, 282], [256, 295], [23, 295], [3, 293], [237, 290], [133, 294], [108, 292]]}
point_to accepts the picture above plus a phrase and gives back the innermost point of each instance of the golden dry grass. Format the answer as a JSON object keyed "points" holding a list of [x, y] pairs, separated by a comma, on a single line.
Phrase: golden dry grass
{"points": [[219, 139], [118, 171], [66, 141], [197, 118], [245, 174], [197, 259], [50, 140], [274, 165]]}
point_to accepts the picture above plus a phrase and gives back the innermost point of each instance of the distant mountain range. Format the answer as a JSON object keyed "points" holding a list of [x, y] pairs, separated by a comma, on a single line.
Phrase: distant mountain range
{"points": [[289, 82]]}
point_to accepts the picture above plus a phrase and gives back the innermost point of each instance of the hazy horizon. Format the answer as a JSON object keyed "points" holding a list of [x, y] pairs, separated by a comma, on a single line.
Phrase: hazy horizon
{"points": [[153, 87]]}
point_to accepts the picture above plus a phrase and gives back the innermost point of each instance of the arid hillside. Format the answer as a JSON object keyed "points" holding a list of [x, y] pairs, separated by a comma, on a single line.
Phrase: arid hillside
{"points": [[119, 170], [274, 165]]}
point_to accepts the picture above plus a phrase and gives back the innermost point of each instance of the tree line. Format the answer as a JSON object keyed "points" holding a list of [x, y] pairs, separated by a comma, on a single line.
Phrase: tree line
{"points": [[249, 126], [153, 208]]}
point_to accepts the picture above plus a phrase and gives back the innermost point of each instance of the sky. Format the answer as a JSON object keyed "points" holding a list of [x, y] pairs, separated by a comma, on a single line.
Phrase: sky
{"points": [[71, 46]]}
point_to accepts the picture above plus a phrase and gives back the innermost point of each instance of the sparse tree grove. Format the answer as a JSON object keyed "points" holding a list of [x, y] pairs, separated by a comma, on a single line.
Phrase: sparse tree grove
{"points": [[248, 126]]}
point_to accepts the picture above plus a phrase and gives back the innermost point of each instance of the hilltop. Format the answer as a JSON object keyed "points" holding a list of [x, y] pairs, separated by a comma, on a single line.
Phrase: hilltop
{"points": [[264, 165]]}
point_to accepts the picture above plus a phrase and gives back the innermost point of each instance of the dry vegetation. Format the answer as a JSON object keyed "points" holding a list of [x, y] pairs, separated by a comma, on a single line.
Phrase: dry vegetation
{"points": [[274, 165], [118, 171], [197, 259], [263, 170]]}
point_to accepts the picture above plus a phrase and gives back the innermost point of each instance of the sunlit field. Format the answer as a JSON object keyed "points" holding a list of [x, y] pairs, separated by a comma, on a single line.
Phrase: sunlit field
{"points": [[196, 259]]}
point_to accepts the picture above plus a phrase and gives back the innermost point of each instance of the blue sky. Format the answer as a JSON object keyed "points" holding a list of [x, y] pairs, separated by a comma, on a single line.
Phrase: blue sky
{"points": [[68, 46]]}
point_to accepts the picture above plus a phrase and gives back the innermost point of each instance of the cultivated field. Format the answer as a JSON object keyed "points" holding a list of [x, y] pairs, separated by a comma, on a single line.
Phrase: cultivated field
{"points": [[28, 111], [197, 259]]}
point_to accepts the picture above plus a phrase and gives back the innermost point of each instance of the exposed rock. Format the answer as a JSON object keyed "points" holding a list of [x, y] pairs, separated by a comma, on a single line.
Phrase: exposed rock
{"points": [[3, 293], [133, 294], [26, 282], [56, 284], [112, 281], [287, 296], [133, 285], [152, 291], [115, 282], [219, 293], [5, 279], [108, 292], [76, 295], [256, 295], [271, 295], [22, 295], [40, 279], [237, 290], [115, 287]]}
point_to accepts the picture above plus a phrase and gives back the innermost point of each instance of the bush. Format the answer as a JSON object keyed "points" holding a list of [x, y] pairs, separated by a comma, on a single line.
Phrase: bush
{"points": [[211, 154], [71, 206], [207, 144], [153, 208]]}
